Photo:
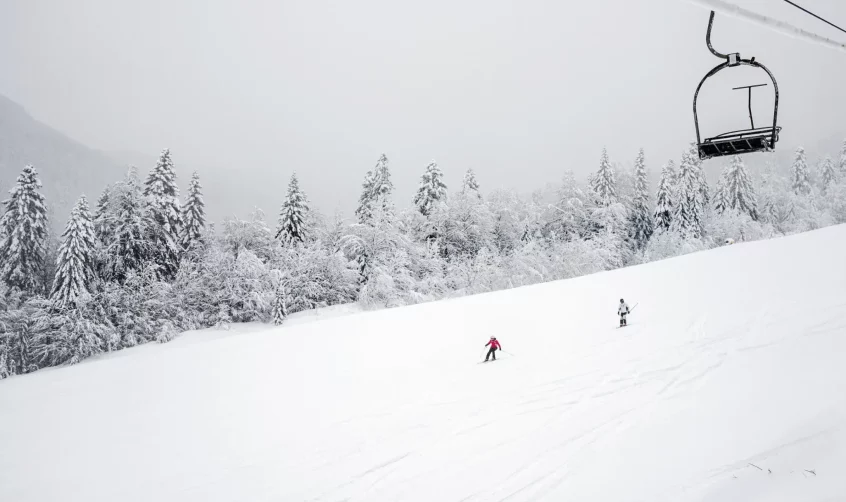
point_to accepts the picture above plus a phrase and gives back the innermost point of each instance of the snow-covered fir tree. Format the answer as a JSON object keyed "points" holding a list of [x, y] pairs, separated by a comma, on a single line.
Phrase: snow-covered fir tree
{"points": [[75, 263], [280, 307], [24, 234], [720, 195], [375, 191], [193, 213], [431, 190], [828, 173], [640, 215], [688, 213], [364, 211], [383, 187], [799, 182], [102, 220], [128, 249], [664, 199], [704, 190], [162, 196], [293, 214], [469, 185], [735, 190], [603, 185]]}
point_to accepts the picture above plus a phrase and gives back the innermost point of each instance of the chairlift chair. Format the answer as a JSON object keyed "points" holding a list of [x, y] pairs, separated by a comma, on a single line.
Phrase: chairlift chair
{"points": [[760, 139]]}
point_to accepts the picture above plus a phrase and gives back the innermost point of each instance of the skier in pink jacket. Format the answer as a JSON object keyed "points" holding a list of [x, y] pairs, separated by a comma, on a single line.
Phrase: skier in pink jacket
{"points": [[494, 343]]}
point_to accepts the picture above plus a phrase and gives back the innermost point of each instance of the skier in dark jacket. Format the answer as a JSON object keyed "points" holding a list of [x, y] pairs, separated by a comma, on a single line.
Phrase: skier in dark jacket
{"points": [[494, 343]]}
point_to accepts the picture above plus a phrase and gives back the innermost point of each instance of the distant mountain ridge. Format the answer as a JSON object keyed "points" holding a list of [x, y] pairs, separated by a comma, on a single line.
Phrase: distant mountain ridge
{"points": [[66, 167]]}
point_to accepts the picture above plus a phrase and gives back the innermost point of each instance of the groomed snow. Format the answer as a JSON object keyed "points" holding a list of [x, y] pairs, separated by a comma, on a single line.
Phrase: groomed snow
{"points": [[729, 384]]}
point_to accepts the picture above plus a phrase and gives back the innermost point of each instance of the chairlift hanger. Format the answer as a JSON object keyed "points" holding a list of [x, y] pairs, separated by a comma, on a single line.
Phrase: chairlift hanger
{"points": [[762, 139]]}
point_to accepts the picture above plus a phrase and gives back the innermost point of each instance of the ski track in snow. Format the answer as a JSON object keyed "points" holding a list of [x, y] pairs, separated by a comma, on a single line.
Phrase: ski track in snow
{"points": [[744, 368]]}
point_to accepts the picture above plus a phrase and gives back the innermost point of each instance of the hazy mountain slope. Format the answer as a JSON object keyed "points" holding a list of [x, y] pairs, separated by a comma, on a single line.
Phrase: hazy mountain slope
{"points": [[67, 168]]}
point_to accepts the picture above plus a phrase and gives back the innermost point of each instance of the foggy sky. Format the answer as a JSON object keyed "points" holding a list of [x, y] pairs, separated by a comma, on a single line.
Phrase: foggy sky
{"points": [[249, 91]]}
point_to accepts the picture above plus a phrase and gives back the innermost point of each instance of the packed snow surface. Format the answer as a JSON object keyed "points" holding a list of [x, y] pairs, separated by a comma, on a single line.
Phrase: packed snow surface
{"points": [[729, 384]]}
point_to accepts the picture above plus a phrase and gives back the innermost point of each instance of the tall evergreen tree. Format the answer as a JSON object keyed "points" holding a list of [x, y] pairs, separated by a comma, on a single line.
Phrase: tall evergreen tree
{"points": [[431, 190], [665, 198], [193, 213], [293, 214], [75, 263], [640, 216], [738, 192], [163, 201], [664, 205], [24, 234], [375, 191], [469, 185], [364, 211], [128, 249], [704, 191], [102, 217], [721, 202], [603, 184], [799, 182], [688, 213], [829, 174]]}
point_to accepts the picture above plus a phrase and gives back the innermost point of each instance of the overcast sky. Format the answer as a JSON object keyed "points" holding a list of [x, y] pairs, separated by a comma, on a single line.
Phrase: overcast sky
{"points": [[249, 91]]}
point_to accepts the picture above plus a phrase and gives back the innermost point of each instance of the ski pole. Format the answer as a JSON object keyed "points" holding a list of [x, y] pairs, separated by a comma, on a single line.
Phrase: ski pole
{"points": [[631, 309]]}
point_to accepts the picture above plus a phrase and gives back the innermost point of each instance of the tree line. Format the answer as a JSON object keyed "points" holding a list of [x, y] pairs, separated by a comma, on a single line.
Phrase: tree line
{"points": [[145, 265]]}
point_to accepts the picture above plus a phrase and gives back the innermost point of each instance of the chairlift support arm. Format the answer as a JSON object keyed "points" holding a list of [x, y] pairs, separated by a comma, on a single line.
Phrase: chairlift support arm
{"points": [[751, 122]]}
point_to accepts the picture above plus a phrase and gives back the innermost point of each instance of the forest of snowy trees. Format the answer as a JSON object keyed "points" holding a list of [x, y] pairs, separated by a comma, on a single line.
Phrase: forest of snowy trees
{"points": [[143, 264]]}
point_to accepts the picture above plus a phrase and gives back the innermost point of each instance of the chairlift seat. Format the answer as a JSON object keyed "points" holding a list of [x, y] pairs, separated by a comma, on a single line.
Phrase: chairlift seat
{"points": [[761, 139], [738, 142]]}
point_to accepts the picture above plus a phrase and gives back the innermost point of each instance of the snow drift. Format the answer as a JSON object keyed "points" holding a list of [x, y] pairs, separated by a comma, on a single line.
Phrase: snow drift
{"points": [[729, 384]]}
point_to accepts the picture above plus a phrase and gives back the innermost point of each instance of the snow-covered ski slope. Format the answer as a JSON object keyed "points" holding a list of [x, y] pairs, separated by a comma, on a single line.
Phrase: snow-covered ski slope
{"points": [[729, 385]]}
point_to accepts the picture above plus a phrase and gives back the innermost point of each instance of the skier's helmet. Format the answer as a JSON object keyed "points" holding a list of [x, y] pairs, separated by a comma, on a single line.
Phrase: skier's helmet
{"points": [[621, 300], [493, 338]]}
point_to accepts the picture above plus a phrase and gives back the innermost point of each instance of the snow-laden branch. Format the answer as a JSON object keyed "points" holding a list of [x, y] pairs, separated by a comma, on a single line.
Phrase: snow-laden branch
{"points": [[733, 10]]}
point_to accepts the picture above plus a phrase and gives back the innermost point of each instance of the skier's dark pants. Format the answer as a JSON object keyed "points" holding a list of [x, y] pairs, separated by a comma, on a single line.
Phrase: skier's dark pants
{"points": [[622, 319], [491, 352]]}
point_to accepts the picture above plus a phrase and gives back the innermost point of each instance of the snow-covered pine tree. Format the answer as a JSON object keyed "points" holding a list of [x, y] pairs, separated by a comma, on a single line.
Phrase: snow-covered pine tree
{"points": [[103, 227], [24, 234], [739, 192], [162, 196], [364, 211], [280, 305], [431, 190], [383, 187], [799, 182], [704, 190], [640, 217], [603, 184], [664, 199], [829, 174], [193, 213], [128, 249], [293, 214], [720, 196], [75, 263], [469, 185], [687, 219], [376, 190]]}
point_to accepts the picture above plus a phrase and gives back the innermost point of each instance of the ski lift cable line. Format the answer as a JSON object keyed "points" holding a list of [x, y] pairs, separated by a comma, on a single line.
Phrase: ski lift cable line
{"points": [[816, 16], [733, 10]]}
